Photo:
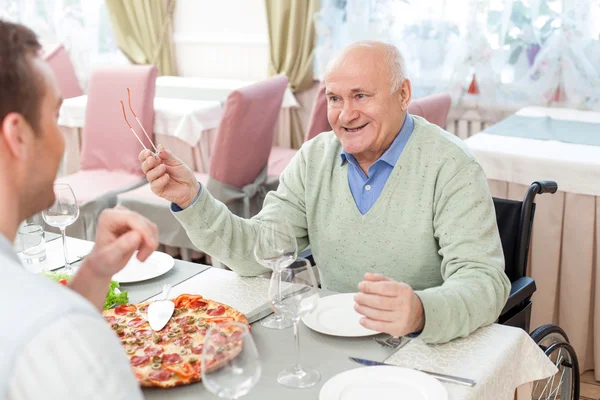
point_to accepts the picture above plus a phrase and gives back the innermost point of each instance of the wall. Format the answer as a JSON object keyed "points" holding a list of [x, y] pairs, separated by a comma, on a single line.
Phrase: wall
{"points": [[221, 39]]}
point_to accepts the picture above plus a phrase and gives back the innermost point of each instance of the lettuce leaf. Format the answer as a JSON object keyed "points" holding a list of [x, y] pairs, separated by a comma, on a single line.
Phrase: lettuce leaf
{"points": [[114, 297]]}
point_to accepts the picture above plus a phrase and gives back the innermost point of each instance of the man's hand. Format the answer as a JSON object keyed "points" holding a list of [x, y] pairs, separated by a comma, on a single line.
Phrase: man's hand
{"points": [[119, 234], [169, 177], [388, 306]]}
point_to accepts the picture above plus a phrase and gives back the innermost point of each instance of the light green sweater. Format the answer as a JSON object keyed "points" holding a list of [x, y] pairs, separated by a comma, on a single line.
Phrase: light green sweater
{"points": [[433, 227]]}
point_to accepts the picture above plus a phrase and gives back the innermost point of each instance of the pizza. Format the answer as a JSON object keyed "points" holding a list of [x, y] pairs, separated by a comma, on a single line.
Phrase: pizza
{"points": [[173, 356]]}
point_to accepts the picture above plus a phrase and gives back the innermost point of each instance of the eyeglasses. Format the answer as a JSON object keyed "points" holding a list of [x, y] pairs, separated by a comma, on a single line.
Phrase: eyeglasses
{"points": [[138, 121]]}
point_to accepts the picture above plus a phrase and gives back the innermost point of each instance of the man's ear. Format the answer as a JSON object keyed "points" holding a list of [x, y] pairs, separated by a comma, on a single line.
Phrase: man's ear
{"points": [[406, 94], [15, 131]]}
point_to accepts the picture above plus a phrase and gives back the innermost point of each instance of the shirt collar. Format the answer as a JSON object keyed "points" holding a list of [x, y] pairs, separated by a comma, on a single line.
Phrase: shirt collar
{"points": [[392, 154]]}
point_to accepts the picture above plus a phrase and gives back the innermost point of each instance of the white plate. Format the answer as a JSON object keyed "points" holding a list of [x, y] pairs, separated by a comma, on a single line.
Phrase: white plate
{"points": [[135, 271], [335, 316], [383, 383]]}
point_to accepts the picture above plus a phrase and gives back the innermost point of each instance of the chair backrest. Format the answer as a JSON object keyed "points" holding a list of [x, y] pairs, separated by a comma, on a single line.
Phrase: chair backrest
{"points": [[508, 217], [318, 117], [246, 132], [108, 143], [64, 72], [433, 108]]}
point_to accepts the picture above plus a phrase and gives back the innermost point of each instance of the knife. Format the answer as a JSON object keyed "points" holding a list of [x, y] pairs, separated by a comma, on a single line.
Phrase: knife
{"points": [[260, 315], [441, 377]]}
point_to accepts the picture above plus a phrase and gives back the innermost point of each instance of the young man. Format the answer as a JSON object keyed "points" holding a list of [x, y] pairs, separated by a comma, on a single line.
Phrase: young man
{"points": [[53, 340]]}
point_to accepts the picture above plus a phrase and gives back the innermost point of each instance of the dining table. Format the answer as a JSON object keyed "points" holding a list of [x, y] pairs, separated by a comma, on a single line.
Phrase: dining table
{"points": [[503, 361], [563, 145]]}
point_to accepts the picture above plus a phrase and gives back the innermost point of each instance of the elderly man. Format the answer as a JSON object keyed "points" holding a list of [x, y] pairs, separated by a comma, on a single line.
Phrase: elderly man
{"points": [[390, 205], [53, 341]]}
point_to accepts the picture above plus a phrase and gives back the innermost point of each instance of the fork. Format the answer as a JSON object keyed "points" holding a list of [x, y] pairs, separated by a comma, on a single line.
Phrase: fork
{"points": [[392, 342]]}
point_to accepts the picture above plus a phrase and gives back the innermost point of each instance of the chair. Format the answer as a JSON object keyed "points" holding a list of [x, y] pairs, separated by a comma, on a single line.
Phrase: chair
{"points": [[280, 156], [64, 72], [109, 156], [433, 108], [238, 163]]}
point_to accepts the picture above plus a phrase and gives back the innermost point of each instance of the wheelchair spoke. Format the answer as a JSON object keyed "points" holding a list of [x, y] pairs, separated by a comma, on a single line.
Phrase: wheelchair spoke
{"points": [[557, 390]]}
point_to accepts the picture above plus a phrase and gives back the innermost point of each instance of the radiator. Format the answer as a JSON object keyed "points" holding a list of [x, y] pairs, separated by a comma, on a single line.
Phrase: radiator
{"points": [[464, 121]]}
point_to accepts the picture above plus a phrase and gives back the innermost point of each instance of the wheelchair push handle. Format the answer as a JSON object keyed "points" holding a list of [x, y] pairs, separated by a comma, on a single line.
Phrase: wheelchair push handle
{"points": [[546, 186]]}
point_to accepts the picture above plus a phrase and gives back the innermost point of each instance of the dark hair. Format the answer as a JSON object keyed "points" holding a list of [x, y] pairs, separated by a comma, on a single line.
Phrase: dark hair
{"points": [[21, 87]]}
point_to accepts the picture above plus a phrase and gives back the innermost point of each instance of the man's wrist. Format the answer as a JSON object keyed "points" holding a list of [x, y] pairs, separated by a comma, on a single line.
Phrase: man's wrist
{"points": [[195, 192]]}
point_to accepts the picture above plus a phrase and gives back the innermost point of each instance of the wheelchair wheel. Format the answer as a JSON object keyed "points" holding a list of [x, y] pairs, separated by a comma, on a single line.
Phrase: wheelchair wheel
{"points": [[565, 384]]}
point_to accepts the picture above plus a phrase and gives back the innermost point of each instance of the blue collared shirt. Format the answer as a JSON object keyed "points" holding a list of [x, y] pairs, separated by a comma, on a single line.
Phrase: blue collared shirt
{"points": [[367, 189]]}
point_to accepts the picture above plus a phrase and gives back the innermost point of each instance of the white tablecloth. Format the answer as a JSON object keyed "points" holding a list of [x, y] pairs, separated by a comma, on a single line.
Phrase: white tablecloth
{"points": [[184, 119], [499, 358], [208, 89], [565, 244]]}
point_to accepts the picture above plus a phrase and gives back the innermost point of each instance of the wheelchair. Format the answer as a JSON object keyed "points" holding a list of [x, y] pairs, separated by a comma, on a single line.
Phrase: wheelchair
{"points": [[515, 219]]}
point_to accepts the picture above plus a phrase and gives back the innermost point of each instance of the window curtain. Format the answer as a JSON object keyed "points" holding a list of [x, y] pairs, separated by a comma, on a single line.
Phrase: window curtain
{"points": [[143, 31], [291, 48], [489, 53]]}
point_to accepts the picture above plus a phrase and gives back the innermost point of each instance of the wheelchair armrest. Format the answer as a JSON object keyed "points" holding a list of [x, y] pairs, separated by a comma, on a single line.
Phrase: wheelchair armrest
{"points": [[520, 290], [308, 255]]}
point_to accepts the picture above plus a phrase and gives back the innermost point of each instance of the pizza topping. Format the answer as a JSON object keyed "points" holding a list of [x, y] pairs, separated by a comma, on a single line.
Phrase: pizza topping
{"points": [[236, 335], [216, 311], [191, 320], [160, 375], [138, 361], [185, 370], [183, 352], [130, 351], [184, 341], [198, 349], [153, 351], [125, 309], [172, 358], [157, 339], [143, 333], [132, 314], [171, 334], [156, 359], [136, 322], [189, 329], [112, 320], [156, 366], [196, 304], [193, 360], [143, 309]]}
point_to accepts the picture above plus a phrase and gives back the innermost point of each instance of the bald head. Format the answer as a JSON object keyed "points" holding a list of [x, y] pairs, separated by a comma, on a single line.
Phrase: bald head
{"points": [[384, 58]]}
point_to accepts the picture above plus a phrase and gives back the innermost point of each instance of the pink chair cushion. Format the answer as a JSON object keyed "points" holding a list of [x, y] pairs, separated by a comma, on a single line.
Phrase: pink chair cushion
{"points": [[64, 72], [89, 185], [108, 143], [246, 131], [433, 108], [318, 117], [145, 192], [279, 159]]}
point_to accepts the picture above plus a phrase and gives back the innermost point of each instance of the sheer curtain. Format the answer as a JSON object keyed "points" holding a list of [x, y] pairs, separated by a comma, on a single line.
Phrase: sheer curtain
{"points": [[81, 25], [489, 53]]}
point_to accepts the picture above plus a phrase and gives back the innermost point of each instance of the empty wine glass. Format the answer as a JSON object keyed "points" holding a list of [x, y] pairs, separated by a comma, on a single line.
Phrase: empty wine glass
{"points": [[276, 249], [61, 214], [230, 363], [298, 298]]}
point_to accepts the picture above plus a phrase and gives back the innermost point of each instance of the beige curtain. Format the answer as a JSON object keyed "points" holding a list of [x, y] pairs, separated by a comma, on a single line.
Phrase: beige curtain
{"points": [[291, 45], [143, 31]]}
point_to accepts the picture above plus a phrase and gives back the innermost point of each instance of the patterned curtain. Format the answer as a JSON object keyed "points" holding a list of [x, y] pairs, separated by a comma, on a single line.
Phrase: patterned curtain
{"points": [[489, 53], [82, 26]]}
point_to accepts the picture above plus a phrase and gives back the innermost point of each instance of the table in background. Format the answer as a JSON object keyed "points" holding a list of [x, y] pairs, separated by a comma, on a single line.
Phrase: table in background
{"points": [[562, 145]]}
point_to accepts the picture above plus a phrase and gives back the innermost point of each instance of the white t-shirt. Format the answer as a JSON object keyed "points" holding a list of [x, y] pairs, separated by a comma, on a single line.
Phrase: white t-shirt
{"points": [[54, 344]]}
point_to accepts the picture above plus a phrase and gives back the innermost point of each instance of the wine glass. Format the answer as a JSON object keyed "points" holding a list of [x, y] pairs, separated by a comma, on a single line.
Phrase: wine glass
{"points": [[298, 298], [230, 363], [275, 249], [61, 214]]}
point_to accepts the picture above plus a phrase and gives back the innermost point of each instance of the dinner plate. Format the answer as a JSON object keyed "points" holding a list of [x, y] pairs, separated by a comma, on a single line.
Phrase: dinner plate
{"points": [[136, 271], [382, 383], [335, 316]]}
